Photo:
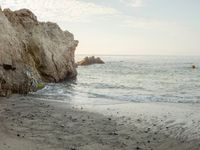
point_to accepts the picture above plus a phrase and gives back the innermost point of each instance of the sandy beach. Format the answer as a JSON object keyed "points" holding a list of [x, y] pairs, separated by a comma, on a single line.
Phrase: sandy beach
{"points": [[31, 124]]}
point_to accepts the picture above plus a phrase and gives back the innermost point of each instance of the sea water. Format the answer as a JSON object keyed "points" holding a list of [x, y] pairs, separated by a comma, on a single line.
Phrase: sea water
{"points": [[131, 79]]}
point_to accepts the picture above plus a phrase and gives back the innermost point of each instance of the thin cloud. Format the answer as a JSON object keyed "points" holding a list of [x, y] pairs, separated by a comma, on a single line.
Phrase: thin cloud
{"points": [[61, 10], [148, 24], [133, 3], [158, 26]]}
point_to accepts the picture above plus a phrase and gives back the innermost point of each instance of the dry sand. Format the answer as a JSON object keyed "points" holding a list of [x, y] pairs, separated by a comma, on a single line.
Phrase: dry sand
{"points": [[30, 124]]}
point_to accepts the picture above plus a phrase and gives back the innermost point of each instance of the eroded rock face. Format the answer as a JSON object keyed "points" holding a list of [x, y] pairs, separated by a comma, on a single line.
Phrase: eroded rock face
{"points": [[33, 51], [89, 61]]}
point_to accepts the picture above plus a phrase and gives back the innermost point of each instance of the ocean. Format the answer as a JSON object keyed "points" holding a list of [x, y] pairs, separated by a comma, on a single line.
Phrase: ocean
{"points": [[169, 79]]}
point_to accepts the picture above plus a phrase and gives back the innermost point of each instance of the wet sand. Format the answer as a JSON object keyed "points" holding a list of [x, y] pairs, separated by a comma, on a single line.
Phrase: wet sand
{"points": [[31, 124]]}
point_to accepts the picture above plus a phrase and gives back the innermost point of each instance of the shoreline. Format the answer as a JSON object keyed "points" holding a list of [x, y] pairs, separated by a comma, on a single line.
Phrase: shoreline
{"points": [[30, 124]]}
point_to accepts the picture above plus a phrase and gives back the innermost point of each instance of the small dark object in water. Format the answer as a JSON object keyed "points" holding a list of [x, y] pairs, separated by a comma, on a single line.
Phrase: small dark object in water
{"points": [[59, 138], [194, 67]]}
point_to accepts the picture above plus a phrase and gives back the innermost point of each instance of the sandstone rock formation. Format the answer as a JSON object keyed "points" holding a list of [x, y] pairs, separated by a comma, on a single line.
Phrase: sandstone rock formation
{"points": [[90, 61], [33, 51]]}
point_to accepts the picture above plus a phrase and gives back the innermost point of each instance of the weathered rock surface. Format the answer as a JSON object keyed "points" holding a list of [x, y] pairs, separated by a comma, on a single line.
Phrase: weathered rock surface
{"points": [[89, 61], [33, 51]]}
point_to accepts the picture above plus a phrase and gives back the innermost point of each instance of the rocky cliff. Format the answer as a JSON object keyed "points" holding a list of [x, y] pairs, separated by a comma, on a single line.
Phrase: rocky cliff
{"points": [[33, 51]]}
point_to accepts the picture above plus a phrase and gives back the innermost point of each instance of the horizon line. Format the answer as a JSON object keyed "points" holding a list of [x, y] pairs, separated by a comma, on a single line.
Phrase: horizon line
{"points": [[138, 54]]}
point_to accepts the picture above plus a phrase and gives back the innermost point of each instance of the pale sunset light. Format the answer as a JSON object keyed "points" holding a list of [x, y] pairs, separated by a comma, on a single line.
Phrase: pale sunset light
{"points": [[136, 27]]}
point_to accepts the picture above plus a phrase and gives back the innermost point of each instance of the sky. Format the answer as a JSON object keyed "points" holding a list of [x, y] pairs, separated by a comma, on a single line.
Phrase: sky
{"points": [[123, 27]]}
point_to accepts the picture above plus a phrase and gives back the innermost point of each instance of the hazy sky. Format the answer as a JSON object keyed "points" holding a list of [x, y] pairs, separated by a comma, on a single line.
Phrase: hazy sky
{"points": [[134, 27]]}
